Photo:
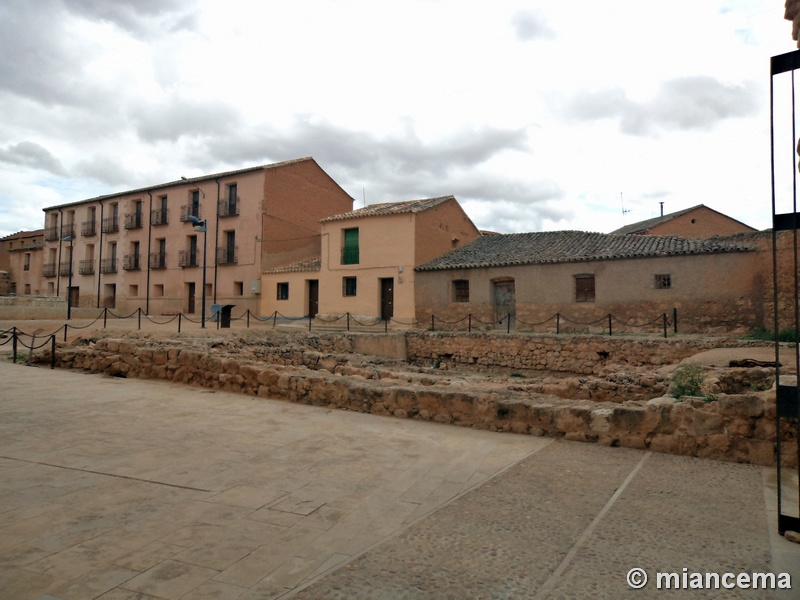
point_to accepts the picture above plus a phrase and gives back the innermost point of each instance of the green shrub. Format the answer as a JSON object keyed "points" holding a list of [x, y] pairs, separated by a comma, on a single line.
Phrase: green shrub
{"points": [[688, 381], [784, 335]]}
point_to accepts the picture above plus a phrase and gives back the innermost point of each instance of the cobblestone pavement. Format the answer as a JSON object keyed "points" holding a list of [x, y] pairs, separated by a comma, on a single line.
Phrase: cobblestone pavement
{"points": [[126, 489]]}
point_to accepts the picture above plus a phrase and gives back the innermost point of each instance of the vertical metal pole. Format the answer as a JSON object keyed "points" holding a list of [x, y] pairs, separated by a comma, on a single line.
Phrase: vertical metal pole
{"points": [[179, 321], [609, 323], [469, 323], [105, 317], [433, 323], [65, 331], [675, 320], [558, 323], [508, 323], [348, 321], [309, 321], [248, 313], [665, 324], [14, 344], [53, 351], [140, 319], [205, 249], [274, 318]]}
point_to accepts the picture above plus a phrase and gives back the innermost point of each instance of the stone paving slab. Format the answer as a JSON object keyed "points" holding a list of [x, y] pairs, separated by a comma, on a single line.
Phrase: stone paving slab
{"points": [[117, 488], [127, 489]]}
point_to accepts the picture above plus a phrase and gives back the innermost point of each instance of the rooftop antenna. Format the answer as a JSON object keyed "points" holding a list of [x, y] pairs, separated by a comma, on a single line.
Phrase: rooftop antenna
{"points": [[625, 211]]}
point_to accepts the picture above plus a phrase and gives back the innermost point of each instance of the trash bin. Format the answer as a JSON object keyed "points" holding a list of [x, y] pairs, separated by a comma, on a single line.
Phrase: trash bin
{"points": [[214, 313], [225, 315]]}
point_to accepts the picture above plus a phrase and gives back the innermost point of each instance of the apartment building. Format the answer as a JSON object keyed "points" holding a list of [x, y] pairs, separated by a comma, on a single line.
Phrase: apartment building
{"points": [[21, 258], [154, 247]]}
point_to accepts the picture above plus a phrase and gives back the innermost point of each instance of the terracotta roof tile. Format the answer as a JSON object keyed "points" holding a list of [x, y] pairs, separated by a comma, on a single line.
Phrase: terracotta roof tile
{"points": [[580, 246], [310, 264], [390, 208]]}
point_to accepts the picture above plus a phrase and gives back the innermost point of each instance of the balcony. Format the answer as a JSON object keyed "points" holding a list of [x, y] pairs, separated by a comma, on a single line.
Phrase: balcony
{"points": [[68, 229], [86, 267], [188, 258], [188, 210], [228, 207], [226, 255], [108, 265], [110, 225], [158, 260], [133, 220], [158, 217], [49, 269], [350, 255], [131, 262], [51, 234], [89, 228], [65, 268]]}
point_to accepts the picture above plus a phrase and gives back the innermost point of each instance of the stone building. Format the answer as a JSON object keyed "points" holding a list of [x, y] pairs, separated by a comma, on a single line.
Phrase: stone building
{"points": [[21, 258], [138, 249], [367, 259], [716, 285], [696, 222]]}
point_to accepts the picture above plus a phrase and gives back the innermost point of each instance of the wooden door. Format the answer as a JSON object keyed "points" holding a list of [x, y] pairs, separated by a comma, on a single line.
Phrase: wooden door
{"points": [[387, 298]]}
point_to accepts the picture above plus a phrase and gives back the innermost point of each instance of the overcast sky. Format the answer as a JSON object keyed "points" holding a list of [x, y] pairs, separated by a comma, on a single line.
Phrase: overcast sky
{"points": [[538, 115]]}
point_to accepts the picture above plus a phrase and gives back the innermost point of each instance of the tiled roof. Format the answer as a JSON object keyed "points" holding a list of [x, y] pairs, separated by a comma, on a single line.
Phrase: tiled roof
{"points": [[184, 182], [390, 208], [579, 246], [310, 264], [647, 224]]}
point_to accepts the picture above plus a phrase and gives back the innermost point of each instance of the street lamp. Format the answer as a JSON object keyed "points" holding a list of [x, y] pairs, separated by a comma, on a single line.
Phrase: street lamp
{"points": [[200, 225], [68, 238]]}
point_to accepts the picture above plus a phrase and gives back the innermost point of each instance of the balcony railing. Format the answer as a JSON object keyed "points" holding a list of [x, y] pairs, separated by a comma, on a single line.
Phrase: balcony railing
{"points": [[158, 217], [108, 265], [226, 255], [68, 229], [26, 267], [51, 234], [131, 262], [89, 228], [188, 210], [228, 207], [86, 267], [187, 258], [350, 255], [65, 268], [110, 225], [133, 220], [49, 269], [158, 260]]}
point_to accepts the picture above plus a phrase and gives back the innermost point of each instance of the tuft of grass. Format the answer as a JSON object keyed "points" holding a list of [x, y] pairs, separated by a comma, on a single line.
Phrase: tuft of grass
{"points": [[784, 335], [688, 381]]}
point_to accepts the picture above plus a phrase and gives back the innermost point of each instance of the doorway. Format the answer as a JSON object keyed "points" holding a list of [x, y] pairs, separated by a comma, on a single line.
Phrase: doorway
{"points": [[110, 299], [387, 298], [313, 298], [505, 302], [74, 295], [190, 292]]}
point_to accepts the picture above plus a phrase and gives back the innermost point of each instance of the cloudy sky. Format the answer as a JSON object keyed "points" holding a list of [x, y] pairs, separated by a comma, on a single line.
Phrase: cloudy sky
{"points": [[538, 115]]}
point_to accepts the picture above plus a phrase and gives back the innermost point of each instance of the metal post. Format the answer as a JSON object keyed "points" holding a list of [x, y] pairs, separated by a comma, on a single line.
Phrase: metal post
{"points": [[53, 351], [14, 344], [508, 323], [558, 323], [348, 321], [274, 318], [65, 332], [675, 320], [69, 283], [179, 321], [433, 323], [386, 326], [609, 323], [140, 318], [665, 324], [105, 317], [309, 321], [248, 317], [469, 323]]}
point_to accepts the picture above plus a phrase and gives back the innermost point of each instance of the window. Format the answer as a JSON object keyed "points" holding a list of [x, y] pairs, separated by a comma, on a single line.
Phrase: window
{"points": [[27, 265], [158, 290], [283, 291], [663, 282], [350, 246], [584, 288], [195, 209], [133, 291], [348, 286], [461, 290], [27, 289], [238, 288]]}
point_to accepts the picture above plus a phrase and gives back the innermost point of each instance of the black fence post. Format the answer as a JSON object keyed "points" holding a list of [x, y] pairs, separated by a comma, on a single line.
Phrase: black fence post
{"points": [[675, 320], [274, 318], [348, 321], [508, 323], [65, 331], [386, 326], [309, 321], [469, 323], [248, 318], [433, 322], [14, 344], [180, 314], [609, 324], [665, 324], [140, 318], [105, 317], [53, 351], [558, 323]]}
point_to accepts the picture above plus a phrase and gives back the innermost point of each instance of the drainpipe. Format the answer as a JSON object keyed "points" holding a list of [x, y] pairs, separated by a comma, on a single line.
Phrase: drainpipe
{"points": [[58, 266], [149, 240], [100, 252], [216, 242]]}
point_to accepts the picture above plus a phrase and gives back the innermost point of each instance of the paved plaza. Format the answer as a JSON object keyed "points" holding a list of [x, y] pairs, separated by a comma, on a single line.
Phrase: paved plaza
{"points": [[126, 489]]}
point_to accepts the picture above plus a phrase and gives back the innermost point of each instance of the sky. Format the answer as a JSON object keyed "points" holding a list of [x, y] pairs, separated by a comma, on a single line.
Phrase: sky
{"points": [[537, 116]]}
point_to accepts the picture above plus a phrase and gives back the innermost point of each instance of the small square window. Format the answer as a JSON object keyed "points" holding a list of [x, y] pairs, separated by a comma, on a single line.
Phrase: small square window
{"points": [[348, 286], [158, 289], [584, 288], [283, 291], [461, 290], [133, 291], [663, 282], [238, 288]]}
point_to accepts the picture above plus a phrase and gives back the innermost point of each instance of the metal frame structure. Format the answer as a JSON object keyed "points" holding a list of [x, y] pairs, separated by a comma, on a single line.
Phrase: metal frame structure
{"points": [[788, 393]]}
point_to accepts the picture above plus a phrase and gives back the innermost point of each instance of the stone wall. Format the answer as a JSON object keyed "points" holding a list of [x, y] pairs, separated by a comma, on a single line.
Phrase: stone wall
{"points": [[737, 427]]}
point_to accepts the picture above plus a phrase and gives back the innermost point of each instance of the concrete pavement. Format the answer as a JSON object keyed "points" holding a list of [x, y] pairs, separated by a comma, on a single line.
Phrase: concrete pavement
{"points": [[127, 489]]}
